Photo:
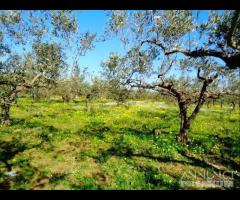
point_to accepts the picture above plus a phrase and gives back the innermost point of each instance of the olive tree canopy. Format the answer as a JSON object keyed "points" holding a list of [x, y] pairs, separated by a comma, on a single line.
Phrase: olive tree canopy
{"points": [[35, 49], [176, 53]]}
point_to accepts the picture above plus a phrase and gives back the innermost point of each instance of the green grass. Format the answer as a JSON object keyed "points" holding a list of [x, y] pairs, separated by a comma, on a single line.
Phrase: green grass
{"points": [[55, 145]]}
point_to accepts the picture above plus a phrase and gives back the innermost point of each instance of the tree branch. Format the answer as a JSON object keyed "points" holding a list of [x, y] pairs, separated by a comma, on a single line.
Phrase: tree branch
{"points": [[232, 30], [201, 99], [231, 61], [198, 75], [36, 78]]}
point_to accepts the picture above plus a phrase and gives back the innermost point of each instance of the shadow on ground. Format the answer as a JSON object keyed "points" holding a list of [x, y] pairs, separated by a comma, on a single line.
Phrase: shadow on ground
{"points": [[127, 152]]}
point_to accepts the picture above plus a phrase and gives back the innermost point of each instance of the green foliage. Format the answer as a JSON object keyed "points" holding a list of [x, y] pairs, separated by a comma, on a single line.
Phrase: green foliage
{"points": [[42, 38], [49, 59]]}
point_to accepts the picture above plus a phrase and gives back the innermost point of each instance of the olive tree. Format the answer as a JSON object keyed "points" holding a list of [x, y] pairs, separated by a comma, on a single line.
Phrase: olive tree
{"points": [[154, 38], [17, 76], [34, 47], [231, 90], [69, 88], [114, 72], [220, 35]]}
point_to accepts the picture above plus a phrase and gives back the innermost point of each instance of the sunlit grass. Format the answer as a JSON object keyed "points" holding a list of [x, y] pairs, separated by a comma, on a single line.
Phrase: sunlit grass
{"points": [[55, 145]]}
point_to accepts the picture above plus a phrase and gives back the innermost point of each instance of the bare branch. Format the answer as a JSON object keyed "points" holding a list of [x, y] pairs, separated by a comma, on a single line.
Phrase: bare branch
{"points": [[155, 42], [169, 67], [202, 96], [198, 74], [36, 78], [232, 61]]}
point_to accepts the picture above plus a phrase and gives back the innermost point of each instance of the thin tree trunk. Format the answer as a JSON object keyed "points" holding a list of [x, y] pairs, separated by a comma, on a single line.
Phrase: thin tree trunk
{"points": [[87, 102], [6, 106], [183, 131], [88, 99], [213, 102], [208, 106], [5, 114], [233, 105], [185, 122], [36, 97], [221, 104]]}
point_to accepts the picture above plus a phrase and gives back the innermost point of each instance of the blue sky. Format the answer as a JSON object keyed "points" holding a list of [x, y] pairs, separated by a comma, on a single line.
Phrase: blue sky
{"points": [[95, 21]]}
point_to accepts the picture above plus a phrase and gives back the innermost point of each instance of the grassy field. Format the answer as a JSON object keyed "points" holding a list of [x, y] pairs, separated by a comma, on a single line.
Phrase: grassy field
{"points": [[55, 145]]}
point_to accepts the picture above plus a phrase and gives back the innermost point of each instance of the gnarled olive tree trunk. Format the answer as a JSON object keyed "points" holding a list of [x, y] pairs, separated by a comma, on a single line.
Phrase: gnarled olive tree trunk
{"points": [[5, 114], [184, 100], [7, 102], [185, 122]]}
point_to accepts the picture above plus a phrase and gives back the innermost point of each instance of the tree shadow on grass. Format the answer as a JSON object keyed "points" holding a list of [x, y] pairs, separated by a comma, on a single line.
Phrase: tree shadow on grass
{"points": [[25, 124], [229, 149], [95, 129], [146, 132], [153, 176], [8, 150], [137, 132], [11, 178], [46, 134], [128, 152], [228, 143], [159, 179]]}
